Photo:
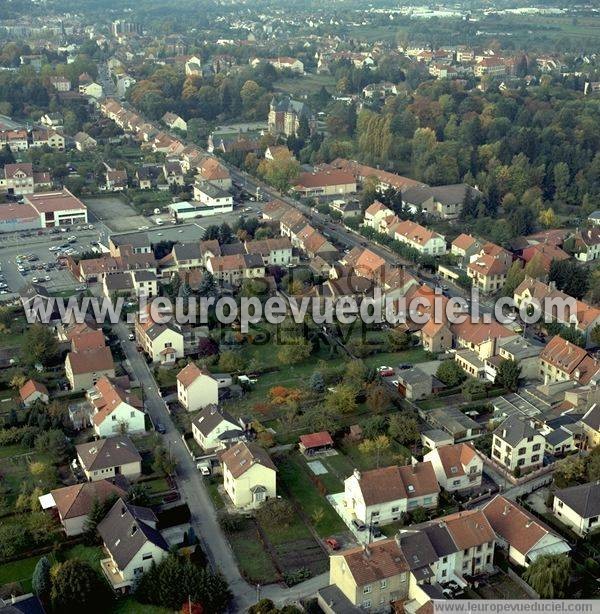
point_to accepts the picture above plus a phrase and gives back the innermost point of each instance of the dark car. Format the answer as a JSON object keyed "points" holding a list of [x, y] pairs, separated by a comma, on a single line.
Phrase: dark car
{"points": [[403, 367], [358, 525], [161, 428], [375, 531]]}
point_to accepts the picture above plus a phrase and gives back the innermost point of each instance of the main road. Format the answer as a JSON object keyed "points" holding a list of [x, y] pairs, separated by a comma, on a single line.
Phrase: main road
{"points": [[194, 493]]}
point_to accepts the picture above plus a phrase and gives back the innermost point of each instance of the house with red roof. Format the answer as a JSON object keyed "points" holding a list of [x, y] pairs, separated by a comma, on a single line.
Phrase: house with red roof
{"points": [[457, 467], [116, 410], [33, 391], [315, 443]]}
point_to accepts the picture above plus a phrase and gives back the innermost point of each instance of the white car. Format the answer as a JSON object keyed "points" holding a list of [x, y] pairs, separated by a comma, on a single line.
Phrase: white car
{"points": [[34, 280], [54, 248], [47, 278]]}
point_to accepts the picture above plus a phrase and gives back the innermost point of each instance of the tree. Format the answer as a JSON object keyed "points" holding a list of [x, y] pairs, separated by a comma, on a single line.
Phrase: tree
{"points": [[514, 277], [316, 382], [207, 347], [276, 513], [280, 172], [41, 582], [549, 575], [76, 586], [378, 397], [404, 428], [176, 579], [595, 335], [571, 470], [374, 426], [508, 374], [295, 350], [450, 373], [207, 285], [473, 387], [375, 447], [163, 461], [231, 362], [39, 345], [342, 400]]}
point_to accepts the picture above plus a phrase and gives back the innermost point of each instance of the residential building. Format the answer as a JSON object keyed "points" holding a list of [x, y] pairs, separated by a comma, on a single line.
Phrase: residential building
{"points": [[375, 213], [172, 120], [457, 467], [173, 173], [382, 496], [455, 423], [32, 391], [414, 383], [83, 369], [325, 183], [517, 443], [464, 247], [578, 507], [585, 245], [274, 252], [490, 66], [519, 533], [480, 338], [286, 63], [233, 269], [116, 180], [164, 343], [84, 142], [133, 544], [371, 576], [286, 115], [561, 360], [196, 388], [488, 269], [214, 428], [74, 503], [213, 196], [414, 235], [20, 179], [60, 83], [115, 410], [249, 474], [106, 458], [590, 423]]}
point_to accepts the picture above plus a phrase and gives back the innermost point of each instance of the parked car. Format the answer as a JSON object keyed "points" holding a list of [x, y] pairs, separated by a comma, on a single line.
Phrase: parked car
{"points": [[333, 543], [385, 371], [404, 366], [131, 337], [375, 531], [161, 428], [358, 524]]}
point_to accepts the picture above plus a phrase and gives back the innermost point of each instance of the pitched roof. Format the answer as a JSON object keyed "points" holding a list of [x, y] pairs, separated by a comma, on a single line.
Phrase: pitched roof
{"points": [[415, 232], [89, 339], [570, 358], [190, 373], [109, 452], [78, 499], [478, 332], [464, 241], [583, 499], [469, 528], [244, 455], [514, 524], [393, 483], [31, 386], [514, 429], [207, 420], [91, 361], [324, 178], [377, 561], [316, 440], [126, 528], [455, 458], [110, 396]]}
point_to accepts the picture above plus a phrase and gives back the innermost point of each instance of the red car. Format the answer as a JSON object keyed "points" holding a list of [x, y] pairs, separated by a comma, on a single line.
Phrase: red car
{"points": [[385, 371], [332, 543]]}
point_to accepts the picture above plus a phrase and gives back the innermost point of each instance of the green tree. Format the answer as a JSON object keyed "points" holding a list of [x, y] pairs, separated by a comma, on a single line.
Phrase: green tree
{"points": [[295, 350], [76, 586], [508, 374], [549, 575], [514, 277], [342, 400], [375, 447], [404, 428], [231, 362], [39, 345], [450, 373], [41, 582], [378, 397], [316, 382]]}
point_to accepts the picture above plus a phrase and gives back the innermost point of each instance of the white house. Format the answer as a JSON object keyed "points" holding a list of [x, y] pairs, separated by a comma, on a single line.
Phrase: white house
{"points": [[418, 237], [249, 475], [33, 391], [196, 388], [517, 443], [133, 543], [106, 458], [381, 496], [578, 507], [457, 467], [116, 410], [213, 428], [523, 536]]}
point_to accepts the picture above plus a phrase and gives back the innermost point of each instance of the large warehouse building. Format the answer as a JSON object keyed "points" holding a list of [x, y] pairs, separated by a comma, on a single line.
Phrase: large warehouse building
{"points": [[43, 210]]}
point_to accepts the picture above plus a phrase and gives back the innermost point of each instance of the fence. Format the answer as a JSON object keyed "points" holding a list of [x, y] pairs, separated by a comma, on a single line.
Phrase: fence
{"points": [[518, 580]]}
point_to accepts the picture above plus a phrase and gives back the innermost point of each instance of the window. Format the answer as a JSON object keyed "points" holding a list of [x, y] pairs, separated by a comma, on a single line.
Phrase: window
{"points": [[383, 584], [535, 458], [374, 513], [366, 603], [395, 509], [147, 556], [521, 461], [521, 451], [367, 588], [536, 447]]}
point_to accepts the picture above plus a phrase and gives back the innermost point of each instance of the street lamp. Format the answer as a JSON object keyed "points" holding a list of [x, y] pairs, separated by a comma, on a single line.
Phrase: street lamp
{"points": [[257, 593]]}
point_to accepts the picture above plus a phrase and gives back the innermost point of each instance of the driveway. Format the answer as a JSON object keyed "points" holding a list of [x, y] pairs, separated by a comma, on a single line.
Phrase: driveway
{"points": [[194, 493]]}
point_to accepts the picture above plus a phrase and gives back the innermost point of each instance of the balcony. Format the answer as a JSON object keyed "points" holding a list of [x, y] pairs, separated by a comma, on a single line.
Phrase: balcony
{"points": [[113, 575]]}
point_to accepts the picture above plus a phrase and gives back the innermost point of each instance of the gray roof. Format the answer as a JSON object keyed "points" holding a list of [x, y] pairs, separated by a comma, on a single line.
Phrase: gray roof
{"points": [[594, 215], [119, 281], [592, 417], [417, 549], [453, 194], [108, 452], [521, 348], [187, 251], [135, 239], [335, 601], [212, 190], [210, 417], [285, 104], [440, 539], [557, 436], [414, 375], [231, 249], [436, 435], [451, 420], [514, 429], [584, 499], [126, 528], [144, 276], [154, 331]]}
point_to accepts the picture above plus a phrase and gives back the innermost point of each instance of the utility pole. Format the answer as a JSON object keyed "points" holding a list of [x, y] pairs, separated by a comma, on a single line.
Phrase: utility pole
{"points": [[257, 593]]}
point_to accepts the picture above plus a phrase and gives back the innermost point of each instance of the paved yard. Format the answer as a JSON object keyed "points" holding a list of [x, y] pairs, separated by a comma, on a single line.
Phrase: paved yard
{"points": [[113, 211]]}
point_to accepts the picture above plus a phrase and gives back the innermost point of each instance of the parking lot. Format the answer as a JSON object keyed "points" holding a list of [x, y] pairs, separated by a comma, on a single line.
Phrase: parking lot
{"points": [[34, 255]]}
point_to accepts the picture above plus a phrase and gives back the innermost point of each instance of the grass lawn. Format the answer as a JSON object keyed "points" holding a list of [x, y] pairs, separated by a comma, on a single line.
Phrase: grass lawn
{"points": [[14, 472], [254, 562], [157, 485], [215, 495], [131, 606], [20, 571], [296, 480], [306, 84], [397, 454], [89, 554]]}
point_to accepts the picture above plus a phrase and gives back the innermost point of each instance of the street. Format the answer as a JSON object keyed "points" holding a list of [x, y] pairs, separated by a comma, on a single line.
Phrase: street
{"points": [[194, 493]]}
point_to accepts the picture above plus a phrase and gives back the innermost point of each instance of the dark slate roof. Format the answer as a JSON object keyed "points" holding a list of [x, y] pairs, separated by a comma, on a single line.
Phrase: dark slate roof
{"points": [[558, 436], [514, 429], [417, 549], [584, 499], [187, 251], [210, 417], [440, 539], [336, 601], [453, 194], [232, 249], [25, 604], [109, 452], [592, 417], [135, 239], [125, 530]]}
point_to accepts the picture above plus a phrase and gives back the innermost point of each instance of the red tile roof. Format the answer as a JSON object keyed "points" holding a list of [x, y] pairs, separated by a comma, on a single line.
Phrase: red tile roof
{"points": [[316, 440]]}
